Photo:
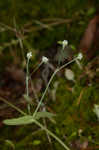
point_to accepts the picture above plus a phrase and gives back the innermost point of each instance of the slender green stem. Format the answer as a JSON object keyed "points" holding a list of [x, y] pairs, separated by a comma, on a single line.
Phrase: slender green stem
{"points": [[51, 134], [27, 84], [27, 79], [39, 104], [57, 70], [79, 64], [38, 66], [67, 64]]}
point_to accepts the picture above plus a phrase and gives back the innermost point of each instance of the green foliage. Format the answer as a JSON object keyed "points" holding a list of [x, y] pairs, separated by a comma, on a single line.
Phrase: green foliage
{"points": [[28, 119], [36, 142], [19, 121], [70, 116]]}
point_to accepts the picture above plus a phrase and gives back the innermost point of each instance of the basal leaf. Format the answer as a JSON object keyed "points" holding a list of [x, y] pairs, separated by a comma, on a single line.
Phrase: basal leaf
{"points": [[19, 121], [24, 120], [44, 114]]}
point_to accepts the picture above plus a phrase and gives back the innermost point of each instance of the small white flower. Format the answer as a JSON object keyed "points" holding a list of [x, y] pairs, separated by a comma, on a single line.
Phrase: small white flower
{"points": [[80, 56], [29, 55], [64, 43], [44, 59]]}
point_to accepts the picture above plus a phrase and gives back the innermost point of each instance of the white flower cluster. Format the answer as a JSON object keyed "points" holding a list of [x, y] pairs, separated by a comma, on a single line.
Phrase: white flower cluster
{"points": [[80, 56], [64, 43], [44, 59], [29, 55]]}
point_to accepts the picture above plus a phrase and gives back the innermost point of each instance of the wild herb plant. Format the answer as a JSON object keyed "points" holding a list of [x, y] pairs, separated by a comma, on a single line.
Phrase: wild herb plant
{"points": [[33, 117]]}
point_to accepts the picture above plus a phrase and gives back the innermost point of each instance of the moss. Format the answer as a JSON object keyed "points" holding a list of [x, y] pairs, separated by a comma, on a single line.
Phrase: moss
{"points": [[70, 116]]}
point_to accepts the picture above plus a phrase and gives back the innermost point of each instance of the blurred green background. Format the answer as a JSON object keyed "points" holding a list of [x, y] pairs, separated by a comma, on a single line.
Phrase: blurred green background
{"points": [[36, 25]]}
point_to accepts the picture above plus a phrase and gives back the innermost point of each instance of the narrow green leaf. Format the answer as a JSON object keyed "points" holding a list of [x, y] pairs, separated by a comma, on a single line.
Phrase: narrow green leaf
{"points": [[28, 99], [19, 121], [44, 114]]}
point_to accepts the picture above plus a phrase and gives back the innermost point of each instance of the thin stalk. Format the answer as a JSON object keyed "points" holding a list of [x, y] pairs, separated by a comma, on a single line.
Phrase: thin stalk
{"points": [[51, 134], [27, 84], [79, 64], [39, 65], [29, 77], [67, 64], [57, 70], [39, 104]]}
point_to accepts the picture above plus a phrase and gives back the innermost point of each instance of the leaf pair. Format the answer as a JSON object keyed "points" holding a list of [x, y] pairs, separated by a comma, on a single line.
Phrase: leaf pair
{"points": [[28, 119]]}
